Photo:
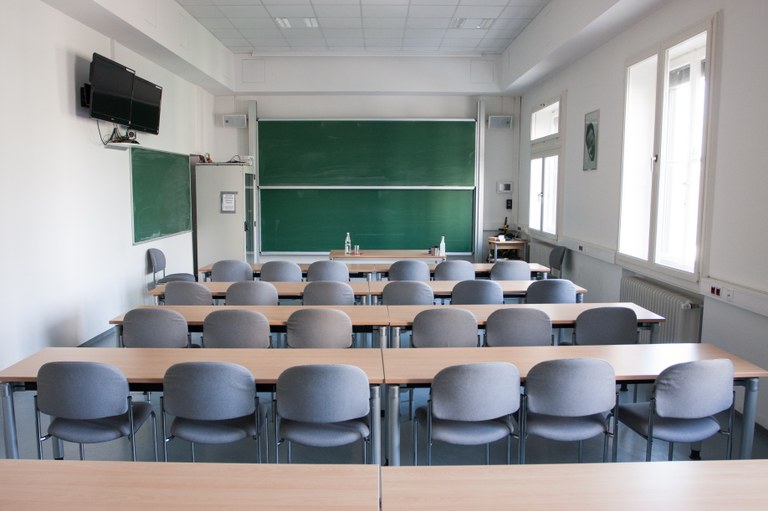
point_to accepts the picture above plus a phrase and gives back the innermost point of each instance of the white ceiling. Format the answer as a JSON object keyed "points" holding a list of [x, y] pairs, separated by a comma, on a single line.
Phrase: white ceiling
{"points": [[363, 27]]}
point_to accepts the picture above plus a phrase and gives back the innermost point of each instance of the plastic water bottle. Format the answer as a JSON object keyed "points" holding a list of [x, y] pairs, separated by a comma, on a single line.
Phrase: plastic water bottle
{"points": [[347, 245], [442, 245]]}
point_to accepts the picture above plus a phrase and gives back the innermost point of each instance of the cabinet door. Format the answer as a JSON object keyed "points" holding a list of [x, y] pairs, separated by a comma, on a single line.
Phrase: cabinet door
{"points": [[220, 212]]}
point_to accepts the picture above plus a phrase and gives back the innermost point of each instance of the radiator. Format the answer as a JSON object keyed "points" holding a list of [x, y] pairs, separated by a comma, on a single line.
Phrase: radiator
{"points": [[682, 313]]}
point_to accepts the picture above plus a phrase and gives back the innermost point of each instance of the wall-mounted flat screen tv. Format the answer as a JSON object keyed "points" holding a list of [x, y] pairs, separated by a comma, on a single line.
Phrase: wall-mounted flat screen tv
{"points": [[145, 105]]}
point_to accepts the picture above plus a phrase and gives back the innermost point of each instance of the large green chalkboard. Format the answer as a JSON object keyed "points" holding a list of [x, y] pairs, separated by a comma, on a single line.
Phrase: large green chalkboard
{"points": [[316, 220], [160, 188]]}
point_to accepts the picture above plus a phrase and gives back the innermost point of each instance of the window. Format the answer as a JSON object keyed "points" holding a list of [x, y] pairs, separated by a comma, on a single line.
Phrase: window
{"points": [[545, 152], [662, 166]]}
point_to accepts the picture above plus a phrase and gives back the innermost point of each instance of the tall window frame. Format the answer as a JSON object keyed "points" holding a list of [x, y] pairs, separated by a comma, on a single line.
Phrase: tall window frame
{"points": [[544, 167]]}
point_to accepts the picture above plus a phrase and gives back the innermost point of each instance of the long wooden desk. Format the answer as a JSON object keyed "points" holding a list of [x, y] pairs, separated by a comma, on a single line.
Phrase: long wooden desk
{"points": [[284, 289], [444, 288], [145, 367], [632, 363], [100, 485], [385, 255], [678, 485], [355, 269]]}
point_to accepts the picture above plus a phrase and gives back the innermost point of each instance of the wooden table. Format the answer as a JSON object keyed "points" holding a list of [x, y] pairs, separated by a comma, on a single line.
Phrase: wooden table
{"points": [[678, 485], [632, 363], [444, 288], [385, 255], [355, 269], [516, 244], [100, 485], [284, 289], [145, 367]]}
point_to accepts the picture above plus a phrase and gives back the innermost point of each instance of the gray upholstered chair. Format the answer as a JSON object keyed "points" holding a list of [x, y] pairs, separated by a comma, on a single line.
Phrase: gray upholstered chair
{"points": [[470, 404], [322, 405], [328, 292], [518, 327], [569, 400], [407, 292], [88, 402], [187, 293], [606, 325], [556, 258], [444, 328], [319, 328], [409, 269], [157, 265], [455, 270], [328, 270], [551, 291], [236, 328], [684, 401], [477, 292], [211, 402], [252, 292], [280, 271], [511, 270], [231, 270], [154, 327]]}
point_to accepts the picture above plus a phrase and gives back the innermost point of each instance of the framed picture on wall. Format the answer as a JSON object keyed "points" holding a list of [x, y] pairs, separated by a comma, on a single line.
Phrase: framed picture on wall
{"points": [[591, 126]]}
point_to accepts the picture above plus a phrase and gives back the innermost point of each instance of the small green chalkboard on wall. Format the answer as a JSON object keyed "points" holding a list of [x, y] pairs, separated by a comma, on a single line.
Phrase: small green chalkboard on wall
{"points": [[160, 190]]}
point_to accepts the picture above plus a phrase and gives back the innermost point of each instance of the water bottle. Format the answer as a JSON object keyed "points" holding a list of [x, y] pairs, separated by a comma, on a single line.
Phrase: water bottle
{"points": [[442, 245], [347, 245]]}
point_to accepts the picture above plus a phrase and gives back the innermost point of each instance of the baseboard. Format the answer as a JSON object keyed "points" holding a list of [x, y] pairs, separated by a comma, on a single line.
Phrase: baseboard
{"points": [[106, 338]]}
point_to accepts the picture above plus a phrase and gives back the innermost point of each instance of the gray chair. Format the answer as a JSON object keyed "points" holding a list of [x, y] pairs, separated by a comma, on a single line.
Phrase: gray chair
{"points": [[187, 293], [409, 269], [684, 400], [252, 292], [606, 325], [455, 270], [470, 404], [511, 270], [211, 402], [318, 328], [154, 327], [518, 327], [231, 270], [477, 292], [328, 292], [569, 400], [556, 258], [551, 291], [88, 402], [157, 265], [328, 270], [280, 271], [236, 328], [322, 405], [444, 327], [407, 292]]}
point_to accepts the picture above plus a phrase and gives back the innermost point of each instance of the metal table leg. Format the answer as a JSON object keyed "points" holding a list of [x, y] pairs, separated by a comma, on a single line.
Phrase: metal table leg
{"points": [[748, 417], [393, 424], [376, 425], [9, 423]]}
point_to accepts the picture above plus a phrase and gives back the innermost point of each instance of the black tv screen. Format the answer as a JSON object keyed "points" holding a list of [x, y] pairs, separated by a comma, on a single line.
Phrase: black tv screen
{"points": [[111, 89], [145, 106]]}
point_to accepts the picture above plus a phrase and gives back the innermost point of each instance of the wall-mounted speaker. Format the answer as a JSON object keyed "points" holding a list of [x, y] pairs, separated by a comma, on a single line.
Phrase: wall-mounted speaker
{"points": [[235, 121], [499, 121]]}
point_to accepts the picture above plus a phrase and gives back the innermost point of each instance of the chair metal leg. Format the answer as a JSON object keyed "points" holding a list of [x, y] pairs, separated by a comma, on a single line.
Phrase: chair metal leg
{"points": [[289, 452], [671, 451], [38, 429], [648, 448], [192, 448], [82, 452], [166, 439], [153, 416], [415, 436], [581, 451]]}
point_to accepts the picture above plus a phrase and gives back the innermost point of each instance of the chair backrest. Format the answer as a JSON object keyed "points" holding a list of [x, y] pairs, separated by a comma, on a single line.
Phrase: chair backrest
{"points": [[209, 391], [156, 260], [693, 390], [476, 392], [511, 270], [236, 328], [328, 270], [231, 270], [409, 269], [606, 325], [407, 292], [154, 328], [551, 291], [280, 271], [518, 327], [252, 292], [455, 270], [556, 258], [81, 390], [322, 393], [571, 387], [187, 293], [319, 328], [328, 292], [444, 327], [477, 291]]}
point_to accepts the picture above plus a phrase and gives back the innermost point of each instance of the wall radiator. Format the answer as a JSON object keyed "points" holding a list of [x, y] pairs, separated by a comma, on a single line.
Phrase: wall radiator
{"points": [[682, 313]]}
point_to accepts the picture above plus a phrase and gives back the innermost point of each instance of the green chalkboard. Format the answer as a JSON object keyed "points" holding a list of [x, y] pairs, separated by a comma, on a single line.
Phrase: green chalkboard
{"points": [[366, 153], [160, 190], [316, 220]]}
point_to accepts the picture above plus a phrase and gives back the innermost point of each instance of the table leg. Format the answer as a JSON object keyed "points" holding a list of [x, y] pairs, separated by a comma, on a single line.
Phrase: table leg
{"points": [[394, 337], [393, 424], [9, 423], [383, 330], [376, 425], [748, 418]]}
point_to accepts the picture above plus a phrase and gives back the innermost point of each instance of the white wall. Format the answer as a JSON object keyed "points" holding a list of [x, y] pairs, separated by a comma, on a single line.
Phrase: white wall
{"points": [[65, 204]]}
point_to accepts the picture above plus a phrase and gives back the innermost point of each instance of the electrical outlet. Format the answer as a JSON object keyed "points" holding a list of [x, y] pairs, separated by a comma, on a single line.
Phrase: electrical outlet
{"points": [[728, 294]]}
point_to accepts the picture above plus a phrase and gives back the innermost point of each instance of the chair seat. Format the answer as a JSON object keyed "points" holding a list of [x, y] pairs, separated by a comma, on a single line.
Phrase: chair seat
{"points": [[467, 432], [100, 430], [214, 432], [635, 415], [566, 429], [176, 277], [324, 435]]}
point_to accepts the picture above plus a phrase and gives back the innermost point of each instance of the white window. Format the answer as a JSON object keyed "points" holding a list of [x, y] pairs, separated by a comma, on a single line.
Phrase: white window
{"points": [[664, 122], [545, 152]]}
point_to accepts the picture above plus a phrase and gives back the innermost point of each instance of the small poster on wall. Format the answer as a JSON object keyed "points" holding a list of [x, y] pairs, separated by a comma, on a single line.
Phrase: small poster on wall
{"points": [[228, 204], [591, 125]]}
